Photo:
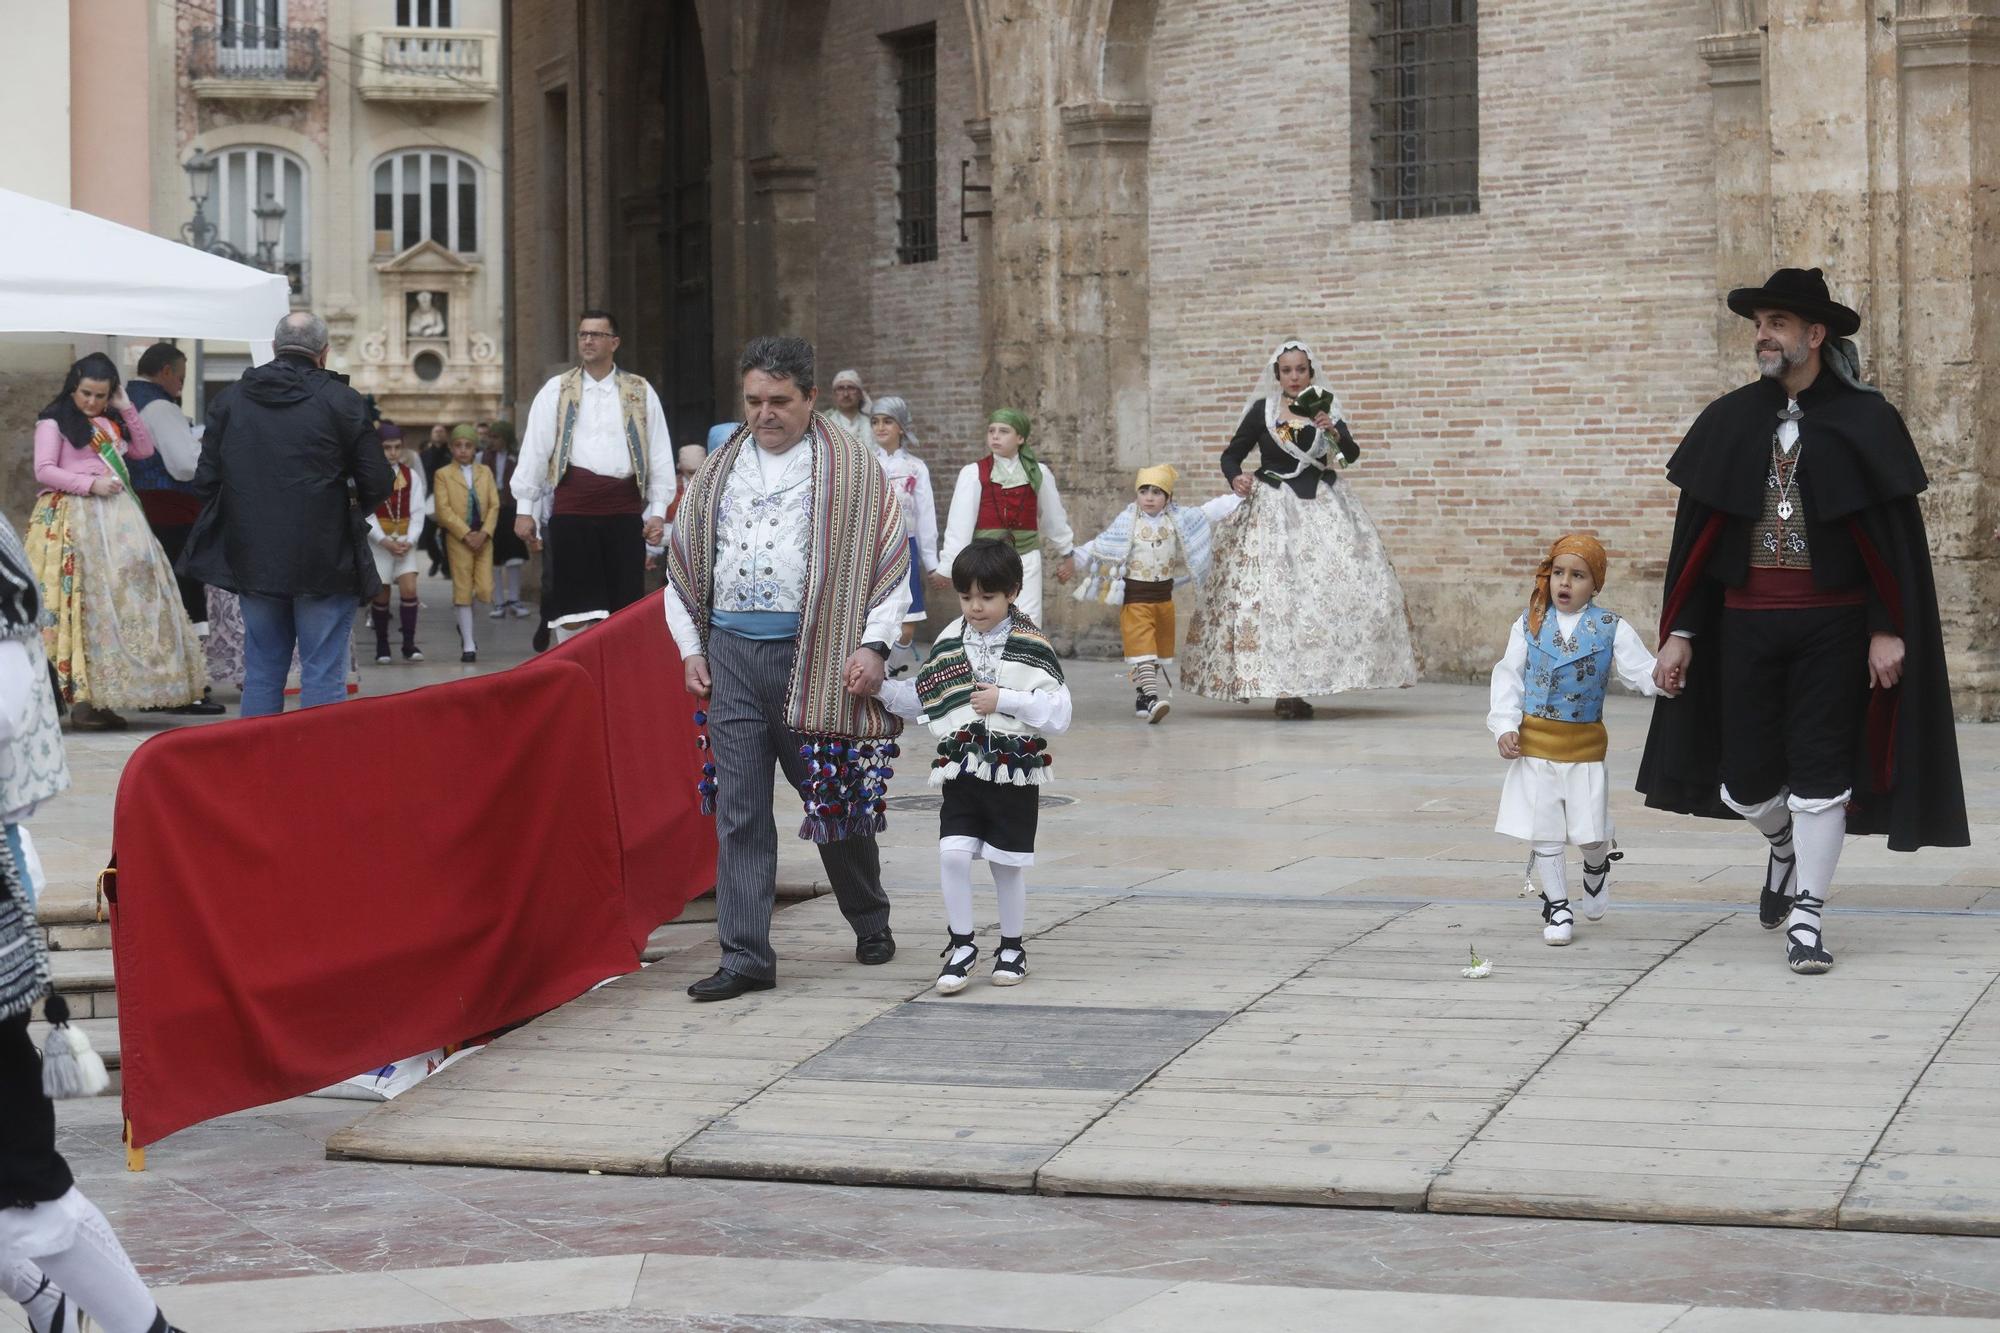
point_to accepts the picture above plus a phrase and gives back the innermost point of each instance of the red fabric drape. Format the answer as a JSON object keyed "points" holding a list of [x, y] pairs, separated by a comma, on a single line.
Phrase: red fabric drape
{"points": [[299, 898], [649, 732]]}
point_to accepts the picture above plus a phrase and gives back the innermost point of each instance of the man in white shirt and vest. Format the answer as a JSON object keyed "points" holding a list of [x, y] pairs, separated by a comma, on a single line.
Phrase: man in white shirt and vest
{"points": [[595, 475], [788, 577]]}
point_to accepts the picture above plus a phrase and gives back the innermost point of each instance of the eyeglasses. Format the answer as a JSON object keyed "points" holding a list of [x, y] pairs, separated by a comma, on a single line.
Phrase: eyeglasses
{"points": [[593, 336]]}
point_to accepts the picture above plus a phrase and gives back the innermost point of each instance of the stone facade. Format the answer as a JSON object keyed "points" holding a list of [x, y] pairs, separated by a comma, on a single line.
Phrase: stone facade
{"points": [[341, 92], [1174, 191]]}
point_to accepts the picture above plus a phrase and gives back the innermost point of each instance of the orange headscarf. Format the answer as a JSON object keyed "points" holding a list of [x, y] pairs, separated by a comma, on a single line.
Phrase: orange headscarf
{"points": [[1579, 544]]}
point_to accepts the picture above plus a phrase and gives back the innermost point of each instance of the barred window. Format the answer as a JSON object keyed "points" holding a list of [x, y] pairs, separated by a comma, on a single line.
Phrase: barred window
{"points": [[1424, 134], [916, 146]]}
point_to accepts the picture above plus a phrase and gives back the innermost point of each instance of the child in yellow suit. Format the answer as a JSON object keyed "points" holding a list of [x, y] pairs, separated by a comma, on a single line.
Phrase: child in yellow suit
{"points": [[467, 504]]}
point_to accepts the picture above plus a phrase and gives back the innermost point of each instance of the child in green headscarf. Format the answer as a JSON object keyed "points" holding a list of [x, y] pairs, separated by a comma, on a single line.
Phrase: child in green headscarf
{"points": [[1010, 496]]}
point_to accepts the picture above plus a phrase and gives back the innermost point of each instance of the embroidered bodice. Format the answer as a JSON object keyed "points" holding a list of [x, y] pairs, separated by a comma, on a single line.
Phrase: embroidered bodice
{"points": [[763, 531], [1568, 671]]}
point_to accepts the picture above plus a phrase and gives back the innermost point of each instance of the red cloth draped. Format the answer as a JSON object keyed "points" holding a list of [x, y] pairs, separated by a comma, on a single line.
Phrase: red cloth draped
{"points": [[649, 731], [297, 901]]}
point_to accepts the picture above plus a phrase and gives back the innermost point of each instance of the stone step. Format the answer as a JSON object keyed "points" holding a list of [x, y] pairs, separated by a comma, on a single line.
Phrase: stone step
{"points": [[84, 978]]}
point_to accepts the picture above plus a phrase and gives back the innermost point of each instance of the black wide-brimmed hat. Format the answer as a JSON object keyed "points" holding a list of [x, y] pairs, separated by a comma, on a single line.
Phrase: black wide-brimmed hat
{"points": [[1801, 291]]}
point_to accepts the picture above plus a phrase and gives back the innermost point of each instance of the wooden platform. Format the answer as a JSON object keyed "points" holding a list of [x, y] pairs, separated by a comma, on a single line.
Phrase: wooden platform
{"points": [[1663, 1067]]}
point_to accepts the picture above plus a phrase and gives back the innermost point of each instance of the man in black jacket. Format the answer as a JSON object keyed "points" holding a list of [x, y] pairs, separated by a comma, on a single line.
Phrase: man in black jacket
{"points": [[1800, 629], [291, 467]]}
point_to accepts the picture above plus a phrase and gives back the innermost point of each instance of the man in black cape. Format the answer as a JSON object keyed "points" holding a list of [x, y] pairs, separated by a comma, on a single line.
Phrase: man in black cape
{"points": [[1800, 624]]}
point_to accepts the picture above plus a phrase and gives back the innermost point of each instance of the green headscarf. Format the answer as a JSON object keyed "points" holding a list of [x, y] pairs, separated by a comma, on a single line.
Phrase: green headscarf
{"points": [[465, 430], [501, 431], [1007, 416]]}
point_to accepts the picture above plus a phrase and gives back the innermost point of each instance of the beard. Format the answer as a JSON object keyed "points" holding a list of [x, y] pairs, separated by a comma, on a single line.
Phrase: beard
{"points": [[1773, 364]]}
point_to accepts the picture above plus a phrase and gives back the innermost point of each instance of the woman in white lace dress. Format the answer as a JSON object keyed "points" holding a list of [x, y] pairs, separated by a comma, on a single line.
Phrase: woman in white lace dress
{"points": [[1304, 600]]}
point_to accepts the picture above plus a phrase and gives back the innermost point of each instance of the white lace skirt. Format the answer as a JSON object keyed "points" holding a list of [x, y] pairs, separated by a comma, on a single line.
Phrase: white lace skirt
{"points": [[1303, 601]]}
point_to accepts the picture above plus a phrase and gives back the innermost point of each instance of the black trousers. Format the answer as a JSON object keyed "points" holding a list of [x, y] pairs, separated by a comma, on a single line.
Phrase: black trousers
{"points": [[600, 566], [31, 1170], [1794, 696], [194, 596]]}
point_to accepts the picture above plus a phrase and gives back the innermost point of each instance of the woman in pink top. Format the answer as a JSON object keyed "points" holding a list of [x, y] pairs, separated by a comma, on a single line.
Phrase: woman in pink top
{"points": [[120, 638]]}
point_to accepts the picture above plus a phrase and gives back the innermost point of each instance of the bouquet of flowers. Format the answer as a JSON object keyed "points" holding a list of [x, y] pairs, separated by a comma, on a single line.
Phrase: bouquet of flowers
{"points": [[1312, 402]]}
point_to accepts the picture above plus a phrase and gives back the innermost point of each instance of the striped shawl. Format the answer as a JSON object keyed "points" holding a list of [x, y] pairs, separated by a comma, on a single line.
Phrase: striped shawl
{"points": [[997, 747], [860, 557]]}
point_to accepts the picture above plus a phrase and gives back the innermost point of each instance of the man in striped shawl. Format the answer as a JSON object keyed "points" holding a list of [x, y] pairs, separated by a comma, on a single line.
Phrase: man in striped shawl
{"points": [[789, 574]]}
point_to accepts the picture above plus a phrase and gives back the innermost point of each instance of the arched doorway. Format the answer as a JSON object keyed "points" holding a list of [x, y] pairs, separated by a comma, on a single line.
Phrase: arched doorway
{"points": [[661, 254]]}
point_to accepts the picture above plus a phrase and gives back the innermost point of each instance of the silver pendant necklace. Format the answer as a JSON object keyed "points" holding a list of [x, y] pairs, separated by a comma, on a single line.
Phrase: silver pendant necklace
{"points": [[1791, 412]]}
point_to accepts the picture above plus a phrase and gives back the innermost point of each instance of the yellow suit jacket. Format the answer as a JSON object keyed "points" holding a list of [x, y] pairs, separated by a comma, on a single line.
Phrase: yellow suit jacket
{"points": [[449, 492]]}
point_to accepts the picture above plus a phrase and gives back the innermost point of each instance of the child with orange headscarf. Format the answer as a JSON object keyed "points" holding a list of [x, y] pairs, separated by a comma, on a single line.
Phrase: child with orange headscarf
{"points": [[1547, 713]]}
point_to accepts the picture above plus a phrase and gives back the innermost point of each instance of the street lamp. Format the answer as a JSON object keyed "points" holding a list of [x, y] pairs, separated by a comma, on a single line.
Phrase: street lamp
{"points": [[199, 231], [270, 228]]}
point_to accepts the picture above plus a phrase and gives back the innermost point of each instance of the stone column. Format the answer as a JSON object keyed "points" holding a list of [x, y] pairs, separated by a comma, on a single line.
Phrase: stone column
{"points": [[1735, 58], [783, 244], [1102, 378], [1817, 65], [1950, 170]]}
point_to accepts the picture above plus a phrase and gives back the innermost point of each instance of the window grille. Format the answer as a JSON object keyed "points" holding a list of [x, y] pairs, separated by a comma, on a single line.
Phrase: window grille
{"points": [[1424, 67], [916, 147]]}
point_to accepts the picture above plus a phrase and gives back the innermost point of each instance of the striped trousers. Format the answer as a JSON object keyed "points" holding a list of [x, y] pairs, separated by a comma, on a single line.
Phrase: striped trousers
{"points": [[749, 737]]}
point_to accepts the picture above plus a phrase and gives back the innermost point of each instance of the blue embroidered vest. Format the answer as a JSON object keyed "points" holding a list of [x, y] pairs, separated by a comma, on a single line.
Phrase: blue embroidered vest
{"points": [[150, 473], [1565, 679]]}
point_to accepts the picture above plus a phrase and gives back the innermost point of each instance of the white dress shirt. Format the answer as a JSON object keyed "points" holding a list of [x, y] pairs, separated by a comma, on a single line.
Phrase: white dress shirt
{"points": [[1630, 663], [963, 519], [764, 495], [599, 445], [174, 439], [1046, 711]]}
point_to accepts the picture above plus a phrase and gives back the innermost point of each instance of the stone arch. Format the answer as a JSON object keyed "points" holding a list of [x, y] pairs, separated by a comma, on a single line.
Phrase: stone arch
{"points": [[1107, 128], [1110, 52]]}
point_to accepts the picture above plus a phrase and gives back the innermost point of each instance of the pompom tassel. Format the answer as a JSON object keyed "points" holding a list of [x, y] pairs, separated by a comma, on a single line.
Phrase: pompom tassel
{"points": [[70, 1066]]}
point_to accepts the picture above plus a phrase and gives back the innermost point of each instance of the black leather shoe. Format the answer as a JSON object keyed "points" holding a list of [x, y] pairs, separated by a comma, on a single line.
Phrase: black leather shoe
{"points": [[875, 949], [204, 707], [727, 985]]}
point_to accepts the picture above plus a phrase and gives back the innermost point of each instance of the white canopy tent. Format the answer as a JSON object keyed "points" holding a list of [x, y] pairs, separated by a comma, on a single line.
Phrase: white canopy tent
{"points": [[62, 271]]}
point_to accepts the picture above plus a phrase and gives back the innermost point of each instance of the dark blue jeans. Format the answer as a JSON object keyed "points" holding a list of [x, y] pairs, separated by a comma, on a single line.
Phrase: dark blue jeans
{"points": [[321, 627]]}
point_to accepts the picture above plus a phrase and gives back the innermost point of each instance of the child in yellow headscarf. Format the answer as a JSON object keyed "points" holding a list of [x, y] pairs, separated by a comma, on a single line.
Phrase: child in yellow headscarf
{"points": [[1136, 563], [1547, 715]]}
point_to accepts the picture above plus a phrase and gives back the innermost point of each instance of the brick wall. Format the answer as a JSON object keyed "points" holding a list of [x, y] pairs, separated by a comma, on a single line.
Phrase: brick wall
{"points": [[1509, 376], [910, 329]]}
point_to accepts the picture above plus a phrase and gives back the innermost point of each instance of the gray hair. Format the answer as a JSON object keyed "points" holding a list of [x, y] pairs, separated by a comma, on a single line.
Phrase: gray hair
{"points": [[300, 331], [782, 358], [897, 410]]}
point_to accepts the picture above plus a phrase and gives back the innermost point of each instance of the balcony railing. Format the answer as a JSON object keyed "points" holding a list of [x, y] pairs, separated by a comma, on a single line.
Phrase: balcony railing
{"points": [[234, 61], [429, 65]]}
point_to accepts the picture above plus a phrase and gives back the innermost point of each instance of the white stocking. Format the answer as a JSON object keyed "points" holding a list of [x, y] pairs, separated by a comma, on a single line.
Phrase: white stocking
{"points": [[1773, 819], [96, 1272], [1551, 863], [1010, 886], [1819, 828], [464, 617], [510, 585], [955, 878], [33, 1290]]}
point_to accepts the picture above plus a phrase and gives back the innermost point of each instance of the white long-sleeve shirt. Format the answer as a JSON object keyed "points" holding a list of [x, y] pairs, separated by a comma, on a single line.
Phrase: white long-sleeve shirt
{"points": [[599, 445], [910, 478], [420, 511], [963, 518], [1630, 662], [173, 438], [885, 618], [1047, 711]]}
